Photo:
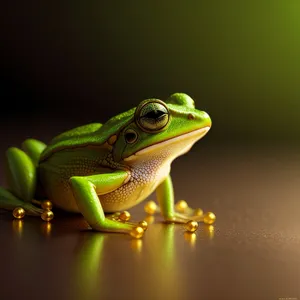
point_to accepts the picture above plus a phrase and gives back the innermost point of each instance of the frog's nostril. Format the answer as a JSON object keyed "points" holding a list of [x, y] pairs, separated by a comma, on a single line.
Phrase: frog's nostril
{"points": [[191, 117]]}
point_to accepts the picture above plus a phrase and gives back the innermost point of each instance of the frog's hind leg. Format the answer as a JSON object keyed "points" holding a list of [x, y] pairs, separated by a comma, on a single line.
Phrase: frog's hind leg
{"points": [[21, 178], [34, 149]]}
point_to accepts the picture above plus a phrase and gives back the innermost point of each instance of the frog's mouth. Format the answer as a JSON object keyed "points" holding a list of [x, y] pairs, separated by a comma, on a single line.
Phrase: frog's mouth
{"points": [[182, 144]]}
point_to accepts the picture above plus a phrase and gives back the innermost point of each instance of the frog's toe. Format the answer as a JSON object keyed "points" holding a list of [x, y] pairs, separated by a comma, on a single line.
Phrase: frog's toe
{"points": [[194, 214], [137, 228], [179, 218], [124, 216], [182, 207], [9, 201], [110, 224], [207, 218], [32, 210]]}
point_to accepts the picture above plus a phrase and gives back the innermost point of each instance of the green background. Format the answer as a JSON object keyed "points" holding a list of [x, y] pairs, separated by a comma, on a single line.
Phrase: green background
{"points": [[240, 61]]}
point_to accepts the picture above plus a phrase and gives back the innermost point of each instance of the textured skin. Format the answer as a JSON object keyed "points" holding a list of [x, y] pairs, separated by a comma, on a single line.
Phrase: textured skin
{"points": [[97, 168], [145, 175], [145, 172], [91, 134], [86, 151]]}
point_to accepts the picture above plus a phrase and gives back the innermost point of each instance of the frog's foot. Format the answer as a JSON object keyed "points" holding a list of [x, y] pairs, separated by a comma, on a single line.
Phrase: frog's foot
{"points": [[112, 225], [194, 214], [207, 218], [183, 213], [182, 207], [9, 201], [181, 218], [138, 228]]}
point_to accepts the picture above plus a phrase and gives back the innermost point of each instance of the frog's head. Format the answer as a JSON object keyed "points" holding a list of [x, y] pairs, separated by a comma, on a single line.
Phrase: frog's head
{"points": [[167, 128]]}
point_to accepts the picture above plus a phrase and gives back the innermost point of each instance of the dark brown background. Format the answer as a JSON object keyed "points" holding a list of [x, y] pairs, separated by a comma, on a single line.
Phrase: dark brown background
{"points": [[69, 64]]}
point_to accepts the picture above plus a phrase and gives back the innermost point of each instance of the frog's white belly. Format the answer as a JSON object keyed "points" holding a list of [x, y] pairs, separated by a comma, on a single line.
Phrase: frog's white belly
{"points": [[145, 176], [144, 179], [150, 167]]}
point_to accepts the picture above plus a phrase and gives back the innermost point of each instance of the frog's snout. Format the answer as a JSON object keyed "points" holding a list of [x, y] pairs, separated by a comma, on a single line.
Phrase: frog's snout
{"points": [[202, 118], [206, 119]]}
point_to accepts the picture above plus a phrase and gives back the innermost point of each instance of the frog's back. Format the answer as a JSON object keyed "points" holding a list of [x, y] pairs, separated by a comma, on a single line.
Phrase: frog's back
{"points": [[71, 138], [77, 132], [90, 134]]}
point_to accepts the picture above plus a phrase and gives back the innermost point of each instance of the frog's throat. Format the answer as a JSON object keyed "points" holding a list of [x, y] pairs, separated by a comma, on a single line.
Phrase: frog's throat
{"points": [[192, 136]]}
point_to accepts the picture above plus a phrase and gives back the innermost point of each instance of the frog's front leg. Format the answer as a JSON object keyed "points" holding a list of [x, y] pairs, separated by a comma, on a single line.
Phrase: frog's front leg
{"points": [[165, 197], [87, 191]]}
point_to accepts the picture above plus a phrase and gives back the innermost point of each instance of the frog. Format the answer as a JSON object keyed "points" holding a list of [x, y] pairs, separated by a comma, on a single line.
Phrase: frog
{"points": [[101, 169]]}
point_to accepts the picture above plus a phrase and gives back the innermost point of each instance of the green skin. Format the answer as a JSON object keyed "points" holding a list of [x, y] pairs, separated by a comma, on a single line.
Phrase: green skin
{"points": [[97, 169]]}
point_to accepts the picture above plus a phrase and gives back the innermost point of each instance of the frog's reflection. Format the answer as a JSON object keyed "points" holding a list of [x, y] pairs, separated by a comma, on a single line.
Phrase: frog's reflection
{"points": [[155, 262], [87, 266]]}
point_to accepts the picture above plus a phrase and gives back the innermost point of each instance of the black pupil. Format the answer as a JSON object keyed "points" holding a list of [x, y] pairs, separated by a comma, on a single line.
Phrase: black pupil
{"points": [[130, 136], [154, 114]]}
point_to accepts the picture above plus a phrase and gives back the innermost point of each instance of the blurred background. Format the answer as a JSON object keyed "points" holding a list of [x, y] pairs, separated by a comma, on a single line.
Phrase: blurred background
{"points": [[65, 64], [68, 64]]}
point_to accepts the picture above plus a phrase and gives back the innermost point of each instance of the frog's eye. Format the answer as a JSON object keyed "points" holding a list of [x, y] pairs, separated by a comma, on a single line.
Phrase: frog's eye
{"points": [[152, 116], [130, 136]]}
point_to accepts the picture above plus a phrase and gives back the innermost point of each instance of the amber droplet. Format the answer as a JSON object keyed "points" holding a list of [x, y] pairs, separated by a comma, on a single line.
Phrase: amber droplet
{"points": [[47, 205], [19, 212], [144, 225], [198, 212], [191, 226], [209, 218], [124, 216], [137, 232], [150, 207], [47, 215], [181, 206]]}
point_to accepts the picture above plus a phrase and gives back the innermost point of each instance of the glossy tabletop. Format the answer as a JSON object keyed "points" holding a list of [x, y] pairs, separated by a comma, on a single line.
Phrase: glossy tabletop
{"points": [[251, 252]]}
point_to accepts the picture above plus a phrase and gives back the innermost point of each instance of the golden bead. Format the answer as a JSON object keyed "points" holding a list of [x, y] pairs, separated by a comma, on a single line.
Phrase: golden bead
{"points": [[115, 216], [124, 216], [47, 215], [143, 224], [47, 205], [150, 207], [198, 212], [209, 218], [191, 226], [137, 232], [19, 212], [181, 206]]}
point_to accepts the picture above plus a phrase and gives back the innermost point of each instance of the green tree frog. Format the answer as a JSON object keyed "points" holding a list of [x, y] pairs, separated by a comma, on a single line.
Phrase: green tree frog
{"points": [[97, 169]]}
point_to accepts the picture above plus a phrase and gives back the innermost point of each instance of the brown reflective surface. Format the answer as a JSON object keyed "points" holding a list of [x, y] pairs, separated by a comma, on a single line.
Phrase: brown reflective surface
{"points": [[251, 252]]}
